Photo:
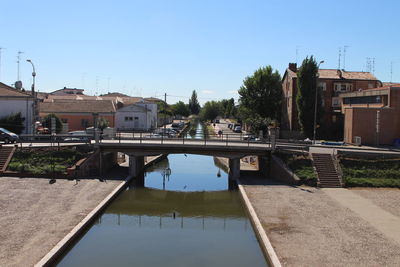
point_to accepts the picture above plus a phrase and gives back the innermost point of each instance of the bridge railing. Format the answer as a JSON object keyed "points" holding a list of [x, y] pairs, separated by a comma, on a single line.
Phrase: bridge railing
{"points": [[56, 138], [223, 139]]}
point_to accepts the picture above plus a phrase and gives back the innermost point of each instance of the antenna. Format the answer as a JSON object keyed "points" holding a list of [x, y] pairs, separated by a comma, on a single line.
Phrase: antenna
{"points": [[297, 53], [344, 56], [373, 65], [0, 60], [108, 84], [18, 60], [368, 64], [340, 55], [391, 71]]}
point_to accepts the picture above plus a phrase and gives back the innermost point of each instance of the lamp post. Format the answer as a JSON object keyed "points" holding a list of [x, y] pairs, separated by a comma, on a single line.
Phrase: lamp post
{"points": [[34, 96], [316, 102]]}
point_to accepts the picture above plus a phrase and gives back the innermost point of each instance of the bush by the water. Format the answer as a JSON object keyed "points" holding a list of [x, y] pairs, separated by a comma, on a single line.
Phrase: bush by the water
{"points": [[44, 161], [372, 172]]}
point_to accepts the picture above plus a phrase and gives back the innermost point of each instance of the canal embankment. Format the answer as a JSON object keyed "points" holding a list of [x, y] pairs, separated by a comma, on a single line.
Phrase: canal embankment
{"points": [[309, 227], [39, 220]]}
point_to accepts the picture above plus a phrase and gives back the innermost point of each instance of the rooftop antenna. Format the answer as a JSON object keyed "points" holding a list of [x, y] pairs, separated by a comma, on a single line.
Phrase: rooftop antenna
{"points": [[344, 56], [97, 84], [391, 71], [373, 65], [340, 55], [297, 53], [0, 60], [18, 60], [368, 64], [108, 84]]}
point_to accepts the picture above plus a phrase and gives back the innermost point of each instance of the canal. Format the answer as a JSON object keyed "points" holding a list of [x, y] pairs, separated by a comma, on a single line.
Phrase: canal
{"points": [[183, 216]]}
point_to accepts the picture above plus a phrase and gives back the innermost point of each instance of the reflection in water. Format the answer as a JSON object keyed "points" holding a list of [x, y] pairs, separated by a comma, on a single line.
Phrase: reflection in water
{"points": [[182, 218]]}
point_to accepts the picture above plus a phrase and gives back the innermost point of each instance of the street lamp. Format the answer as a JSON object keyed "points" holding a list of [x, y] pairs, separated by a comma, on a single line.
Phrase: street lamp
{"points": [[34, 95], [316, 101]]}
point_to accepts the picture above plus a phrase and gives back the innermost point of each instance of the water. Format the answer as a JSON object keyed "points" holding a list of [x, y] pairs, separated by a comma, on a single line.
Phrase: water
{"points": [[187, 218]]}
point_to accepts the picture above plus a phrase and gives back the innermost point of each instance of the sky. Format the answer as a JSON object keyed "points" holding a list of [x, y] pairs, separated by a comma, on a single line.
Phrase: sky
{"points": [[148, 48]]}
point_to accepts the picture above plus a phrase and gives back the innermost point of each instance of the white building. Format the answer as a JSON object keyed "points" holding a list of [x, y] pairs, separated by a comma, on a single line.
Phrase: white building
{"points": [[13, 101], [140, 116]]}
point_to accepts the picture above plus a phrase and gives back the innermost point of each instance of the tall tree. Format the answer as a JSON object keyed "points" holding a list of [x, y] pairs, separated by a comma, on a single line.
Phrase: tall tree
{"points": [[260, 97], [305, 99], [194, 105], [261, 93], [210, 110], [181, 108]]}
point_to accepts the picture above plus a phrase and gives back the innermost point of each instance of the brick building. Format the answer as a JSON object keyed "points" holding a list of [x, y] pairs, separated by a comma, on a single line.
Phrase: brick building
{"points": [[79, 114], [372, 115], [331, 83]]}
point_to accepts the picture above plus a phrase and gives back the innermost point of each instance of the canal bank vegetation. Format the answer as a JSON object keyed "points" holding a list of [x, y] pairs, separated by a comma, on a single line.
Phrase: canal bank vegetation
{"points": [[371, 171], [301, 165], [42, 161]]}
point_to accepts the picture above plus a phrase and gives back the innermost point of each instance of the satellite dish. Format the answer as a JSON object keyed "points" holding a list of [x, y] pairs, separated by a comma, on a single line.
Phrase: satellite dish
{"points": [[18, 85]]}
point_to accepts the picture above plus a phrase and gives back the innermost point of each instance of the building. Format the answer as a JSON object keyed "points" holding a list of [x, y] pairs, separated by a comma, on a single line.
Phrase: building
{"points": [[140, 116], [68, 91], [79, 114], [331, 83], [13, 101], [372, 116]]}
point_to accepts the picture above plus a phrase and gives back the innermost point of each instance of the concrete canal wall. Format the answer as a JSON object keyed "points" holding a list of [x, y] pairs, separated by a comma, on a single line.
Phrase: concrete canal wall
{"points": [[53, 255]]}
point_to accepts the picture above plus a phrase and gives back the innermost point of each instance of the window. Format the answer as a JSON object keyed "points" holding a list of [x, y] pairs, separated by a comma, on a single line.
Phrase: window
{"points": [[84, 123], [335, 102], [362, 100], [343, 87], [128, 118], [322, 86]]}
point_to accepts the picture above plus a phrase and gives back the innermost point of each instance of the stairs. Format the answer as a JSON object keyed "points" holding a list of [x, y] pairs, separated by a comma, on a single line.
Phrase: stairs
{"points": [[6, 153], [328, 175]]}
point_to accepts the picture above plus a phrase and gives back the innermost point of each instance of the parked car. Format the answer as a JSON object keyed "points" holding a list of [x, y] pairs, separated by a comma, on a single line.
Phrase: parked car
{"points": [[77, 136], [8, 137], [237, 129], [250, 137], [230, 125]]}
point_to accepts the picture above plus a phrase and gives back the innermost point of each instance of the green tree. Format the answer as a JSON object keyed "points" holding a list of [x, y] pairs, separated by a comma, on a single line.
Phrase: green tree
{"points": [[14, 123], [210, 110], [305, 99], [194, 105], [102, 123], [260, 98], [181, 108], [47, 122]]}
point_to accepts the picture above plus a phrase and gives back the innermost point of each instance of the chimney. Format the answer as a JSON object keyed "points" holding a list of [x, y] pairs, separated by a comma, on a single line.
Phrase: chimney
{"points": [[293, 67], [339, 73]]}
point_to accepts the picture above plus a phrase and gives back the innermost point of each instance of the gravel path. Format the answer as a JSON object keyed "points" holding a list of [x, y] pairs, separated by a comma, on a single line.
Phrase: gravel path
{"points": [[36, 215], [308, 228], [386, 198]]}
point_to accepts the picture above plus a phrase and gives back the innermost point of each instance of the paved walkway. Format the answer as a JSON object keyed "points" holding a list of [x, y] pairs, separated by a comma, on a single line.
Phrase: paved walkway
{"points": [[382, 220]]}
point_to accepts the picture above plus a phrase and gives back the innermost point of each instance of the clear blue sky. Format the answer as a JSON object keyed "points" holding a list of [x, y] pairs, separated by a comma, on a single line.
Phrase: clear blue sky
{"points": [[147, 48]]}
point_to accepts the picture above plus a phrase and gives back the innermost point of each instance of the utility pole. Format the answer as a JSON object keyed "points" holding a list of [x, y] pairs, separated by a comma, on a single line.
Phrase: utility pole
{"points": [[0, 60], [18, 60], [165, 113]]}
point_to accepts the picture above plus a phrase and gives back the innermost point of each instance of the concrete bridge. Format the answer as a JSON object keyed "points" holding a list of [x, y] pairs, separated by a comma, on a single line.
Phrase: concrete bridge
{"points": [[233, 150]]}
